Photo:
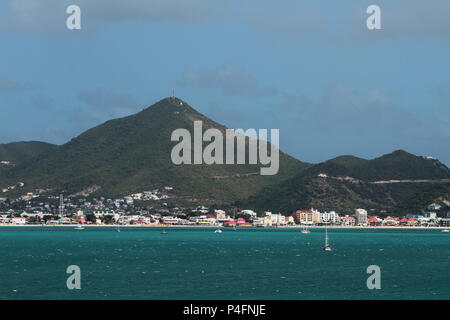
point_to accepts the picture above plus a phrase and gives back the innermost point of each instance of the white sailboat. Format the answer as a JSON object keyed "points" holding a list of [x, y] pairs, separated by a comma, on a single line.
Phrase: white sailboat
{"points": [[118, 228], [305, 231], [218, 231], [446, 230], [79, 227], [327, 245]]}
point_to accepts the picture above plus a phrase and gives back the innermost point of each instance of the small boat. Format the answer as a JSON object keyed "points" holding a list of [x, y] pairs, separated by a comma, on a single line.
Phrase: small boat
{"points": [[305, 231], [218, 231], [234, 228], [79, 228], [446, 230], [163, 232], [326, 247]]}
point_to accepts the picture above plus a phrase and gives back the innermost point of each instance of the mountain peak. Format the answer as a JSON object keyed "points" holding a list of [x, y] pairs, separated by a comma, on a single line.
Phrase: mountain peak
{"points": [[170, 104], [400, 152], [174, 100], [133, 154]]}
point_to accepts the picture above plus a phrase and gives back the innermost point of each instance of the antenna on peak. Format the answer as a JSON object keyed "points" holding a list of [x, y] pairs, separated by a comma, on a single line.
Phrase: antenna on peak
{"points": [[173, 93]]}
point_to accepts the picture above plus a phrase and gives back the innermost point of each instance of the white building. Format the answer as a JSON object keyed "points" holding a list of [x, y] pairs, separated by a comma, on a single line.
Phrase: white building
{"points": [[19, 220], [248, 212], [258, 222], [278, 220], [221, 215], [171, 220], [328, 217], [361, 216], [430, 215]]}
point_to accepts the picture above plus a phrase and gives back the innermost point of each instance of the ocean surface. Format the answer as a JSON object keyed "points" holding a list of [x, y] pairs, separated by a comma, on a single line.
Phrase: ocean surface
{"points": [[196, 263]]}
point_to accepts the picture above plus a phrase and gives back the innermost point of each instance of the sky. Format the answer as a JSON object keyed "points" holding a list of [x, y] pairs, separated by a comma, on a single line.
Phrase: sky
{"points": [[311, 69]]}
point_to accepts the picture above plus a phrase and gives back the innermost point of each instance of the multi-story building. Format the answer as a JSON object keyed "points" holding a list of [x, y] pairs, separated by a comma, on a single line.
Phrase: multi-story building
{"points": [[306, 216], [361, 216], [328, 217], [221, 215], [278, 219]]}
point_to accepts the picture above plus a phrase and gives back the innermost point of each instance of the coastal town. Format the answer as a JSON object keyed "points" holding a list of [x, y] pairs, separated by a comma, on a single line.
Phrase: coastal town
{"points": [[37, 209]]}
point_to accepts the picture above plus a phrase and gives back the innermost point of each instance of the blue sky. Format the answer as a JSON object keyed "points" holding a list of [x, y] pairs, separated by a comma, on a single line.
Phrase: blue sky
{"points": [[309, 68]]}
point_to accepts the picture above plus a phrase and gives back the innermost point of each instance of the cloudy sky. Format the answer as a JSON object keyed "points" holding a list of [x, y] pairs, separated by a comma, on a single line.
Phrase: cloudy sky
{"points": [[310, 68]]}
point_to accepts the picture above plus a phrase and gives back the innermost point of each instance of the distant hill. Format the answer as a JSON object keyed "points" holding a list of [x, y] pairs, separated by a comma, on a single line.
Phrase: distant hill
{"points": [[20, 152], [418, 202], [348, 182], [396, 165], [132, 154]]}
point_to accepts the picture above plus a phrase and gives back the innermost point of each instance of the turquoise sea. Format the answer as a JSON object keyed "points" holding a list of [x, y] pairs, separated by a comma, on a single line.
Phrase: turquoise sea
{"points": [[196, 263]]}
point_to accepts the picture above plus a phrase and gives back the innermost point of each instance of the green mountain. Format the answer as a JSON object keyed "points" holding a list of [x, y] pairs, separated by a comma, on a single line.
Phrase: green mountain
{"points": [[132, 154], [20, 152], [347, 182], [396, 165], [418, 202]]}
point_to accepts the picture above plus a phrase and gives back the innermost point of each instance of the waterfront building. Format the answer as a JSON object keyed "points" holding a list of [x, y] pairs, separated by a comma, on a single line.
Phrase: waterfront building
{"points": [[374, 221], [258, 222], [278, 219], [19, 220], [307, 216], [361, 216], [430, 215], [240, 222], [290, 220], [229, 224], [267, 221], [328, 217], [444, 222], [221, 215], [348, 221], [390, 221]]}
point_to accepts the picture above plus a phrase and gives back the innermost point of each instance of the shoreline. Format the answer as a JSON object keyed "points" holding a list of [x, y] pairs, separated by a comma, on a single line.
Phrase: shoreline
{"points": [[221, 227]]}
